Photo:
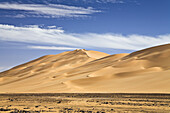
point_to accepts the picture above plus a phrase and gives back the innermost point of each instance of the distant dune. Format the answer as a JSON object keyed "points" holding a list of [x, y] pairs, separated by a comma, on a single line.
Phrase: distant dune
{"points": [[86, 71]]}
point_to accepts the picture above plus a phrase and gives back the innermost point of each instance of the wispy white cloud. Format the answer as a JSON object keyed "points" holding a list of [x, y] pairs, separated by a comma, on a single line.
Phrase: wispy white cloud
{"points": [[53, 37], [47, 11], [50, 27], [52, 48], [32, 26], [67, 1], [109, 1]]}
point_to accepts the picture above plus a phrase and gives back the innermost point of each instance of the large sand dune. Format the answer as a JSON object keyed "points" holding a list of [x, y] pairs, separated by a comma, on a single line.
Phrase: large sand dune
{"points": [[144, 71]]}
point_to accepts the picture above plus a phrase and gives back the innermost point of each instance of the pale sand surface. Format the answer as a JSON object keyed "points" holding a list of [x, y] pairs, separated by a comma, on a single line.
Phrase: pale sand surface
{"points": [[144, 71], [84, 103]]}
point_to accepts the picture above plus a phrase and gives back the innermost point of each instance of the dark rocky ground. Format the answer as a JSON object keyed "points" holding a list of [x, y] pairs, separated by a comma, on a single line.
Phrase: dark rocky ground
{"points": [[85, 103]]}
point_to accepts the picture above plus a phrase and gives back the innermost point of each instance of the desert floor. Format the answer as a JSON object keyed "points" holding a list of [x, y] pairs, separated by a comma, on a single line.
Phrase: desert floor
{"points": [[85, 103]]}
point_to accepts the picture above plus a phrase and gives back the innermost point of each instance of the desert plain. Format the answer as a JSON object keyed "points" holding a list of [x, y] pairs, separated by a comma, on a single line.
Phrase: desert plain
{"points": [[85, 103]]}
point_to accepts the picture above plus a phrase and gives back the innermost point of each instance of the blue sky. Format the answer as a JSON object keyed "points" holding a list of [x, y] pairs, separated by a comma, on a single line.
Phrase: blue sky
{"points": [[33, 28]]}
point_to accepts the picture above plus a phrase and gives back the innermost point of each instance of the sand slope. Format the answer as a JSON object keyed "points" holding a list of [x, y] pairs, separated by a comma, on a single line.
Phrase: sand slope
{"points": [[144, 71]]}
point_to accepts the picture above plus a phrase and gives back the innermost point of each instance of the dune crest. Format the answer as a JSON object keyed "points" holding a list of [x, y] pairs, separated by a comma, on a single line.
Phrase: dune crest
{"points": [[144, 71]]}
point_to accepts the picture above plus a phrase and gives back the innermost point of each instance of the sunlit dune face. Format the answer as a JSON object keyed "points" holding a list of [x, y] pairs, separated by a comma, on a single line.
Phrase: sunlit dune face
{"points": [[144, 71]]}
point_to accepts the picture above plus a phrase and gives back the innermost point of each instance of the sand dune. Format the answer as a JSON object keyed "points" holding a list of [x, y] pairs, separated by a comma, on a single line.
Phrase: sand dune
{"points": [[144, 71]]}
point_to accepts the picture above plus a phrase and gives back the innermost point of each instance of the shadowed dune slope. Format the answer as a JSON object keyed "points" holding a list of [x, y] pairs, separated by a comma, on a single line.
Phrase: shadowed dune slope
{"points": [[144, 71]]}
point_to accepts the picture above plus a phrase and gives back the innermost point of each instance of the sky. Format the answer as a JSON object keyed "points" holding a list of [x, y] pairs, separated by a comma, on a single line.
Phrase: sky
{"points": [[33, 28]]}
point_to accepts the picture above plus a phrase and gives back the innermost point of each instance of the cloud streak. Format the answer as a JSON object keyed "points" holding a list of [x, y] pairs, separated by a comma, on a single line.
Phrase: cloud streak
{"points": [[52, 48], [46, 11], [57, 36], [109, 1]]}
